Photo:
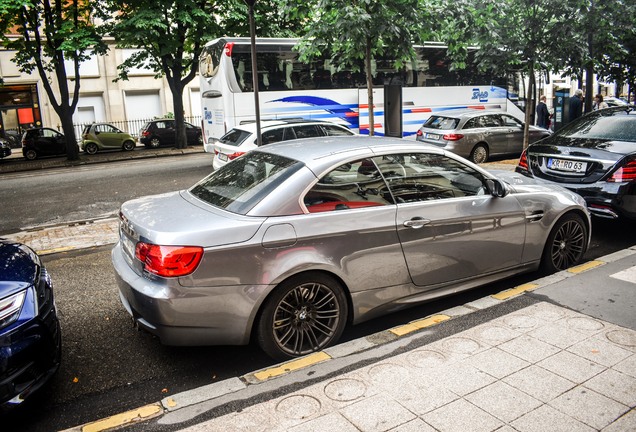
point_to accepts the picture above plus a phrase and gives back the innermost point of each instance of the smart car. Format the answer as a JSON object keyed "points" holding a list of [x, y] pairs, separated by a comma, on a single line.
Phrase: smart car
{"points": [[104, 136]]}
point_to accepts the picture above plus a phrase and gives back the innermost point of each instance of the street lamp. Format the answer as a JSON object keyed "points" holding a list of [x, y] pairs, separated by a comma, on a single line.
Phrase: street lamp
{"points": [[251, 3]]}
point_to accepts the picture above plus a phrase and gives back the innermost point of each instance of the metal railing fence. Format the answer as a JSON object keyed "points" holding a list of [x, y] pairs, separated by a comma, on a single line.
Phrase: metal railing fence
{"points": [[131, 126]]}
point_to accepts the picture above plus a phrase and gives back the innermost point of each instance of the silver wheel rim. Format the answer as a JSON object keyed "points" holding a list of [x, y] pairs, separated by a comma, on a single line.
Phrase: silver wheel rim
{"points": [[154, 142], [568, 244], [306, 319], [479, 155]]}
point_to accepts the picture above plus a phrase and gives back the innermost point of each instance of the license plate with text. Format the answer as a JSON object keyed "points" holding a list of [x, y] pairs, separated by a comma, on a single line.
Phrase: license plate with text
{"points": [[566, 165]]}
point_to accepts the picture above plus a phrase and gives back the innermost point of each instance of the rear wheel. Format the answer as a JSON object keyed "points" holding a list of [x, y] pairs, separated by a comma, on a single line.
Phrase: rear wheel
{"points": [[154, 142], [479, 154], [304, 314], [31, 154], [91, 148], [566, 244], [128, 145]]}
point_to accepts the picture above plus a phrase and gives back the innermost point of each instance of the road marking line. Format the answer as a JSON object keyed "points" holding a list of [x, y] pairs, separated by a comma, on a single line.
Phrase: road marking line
{"points": [[504, 295], [584, 267], [419, 324], [628, 275], [293, 365], [132, 416]]}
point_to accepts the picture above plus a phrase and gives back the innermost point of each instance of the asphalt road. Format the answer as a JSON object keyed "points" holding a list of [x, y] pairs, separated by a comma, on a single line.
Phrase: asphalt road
{"points": [[109, 367]]}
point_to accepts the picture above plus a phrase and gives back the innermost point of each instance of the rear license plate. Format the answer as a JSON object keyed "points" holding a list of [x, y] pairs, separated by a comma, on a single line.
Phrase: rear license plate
{"points": [[128, 245], [432, 136], [223, 157], [566, 165]]}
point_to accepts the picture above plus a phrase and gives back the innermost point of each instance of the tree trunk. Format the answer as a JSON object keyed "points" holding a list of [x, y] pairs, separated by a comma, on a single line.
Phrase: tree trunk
{"points": [[174, 82], [66, 117], [529, 107], [367, 66]]}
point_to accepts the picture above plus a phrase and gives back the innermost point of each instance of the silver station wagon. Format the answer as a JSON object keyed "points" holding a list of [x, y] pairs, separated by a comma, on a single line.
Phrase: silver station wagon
{"points": [[293, 241], [478, 135]]}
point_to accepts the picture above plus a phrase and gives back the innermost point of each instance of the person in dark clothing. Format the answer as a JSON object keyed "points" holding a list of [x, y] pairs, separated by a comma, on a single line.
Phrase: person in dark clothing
{"points": [[543, 115], [576, 105]]}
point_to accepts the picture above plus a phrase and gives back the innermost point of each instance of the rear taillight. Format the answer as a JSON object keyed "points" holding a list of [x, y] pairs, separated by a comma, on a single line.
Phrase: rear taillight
{"points": [[146, 133], [419, 133], [523, 160], [625, 173], [453, 137], [235, 155], [169, 261]]}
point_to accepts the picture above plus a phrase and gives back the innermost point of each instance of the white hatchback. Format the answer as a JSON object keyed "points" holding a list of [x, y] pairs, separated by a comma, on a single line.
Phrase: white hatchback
{"points": [[242, 139]]}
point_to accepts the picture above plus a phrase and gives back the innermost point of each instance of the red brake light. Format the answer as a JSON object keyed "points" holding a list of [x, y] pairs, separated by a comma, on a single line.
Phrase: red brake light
{"points": [[145, 133], [228, 48], [453, 137], [169, 261], [235, 155], [419, 133], [625, 173], [523, 160]]}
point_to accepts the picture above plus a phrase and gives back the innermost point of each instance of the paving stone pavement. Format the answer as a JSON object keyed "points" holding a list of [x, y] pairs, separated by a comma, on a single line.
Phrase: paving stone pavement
{"points": [[541, 368]]}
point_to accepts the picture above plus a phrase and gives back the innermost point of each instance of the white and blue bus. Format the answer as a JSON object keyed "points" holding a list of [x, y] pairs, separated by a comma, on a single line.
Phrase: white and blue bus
{"points": [[289, 88]]}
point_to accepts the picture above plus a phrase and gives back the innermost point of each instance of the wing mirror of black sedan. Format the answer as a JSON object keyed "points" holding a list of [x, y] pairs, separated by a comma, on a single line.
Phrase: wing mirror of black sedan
{"points": [[497, 187]]}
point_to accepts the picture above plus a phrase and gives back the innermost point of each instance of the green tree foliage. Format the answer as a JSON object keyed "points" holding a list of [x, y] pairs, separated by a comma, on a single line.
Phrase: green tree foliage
{"points": [[169, 35], [354, 31], [44, 34], [523, 36]]}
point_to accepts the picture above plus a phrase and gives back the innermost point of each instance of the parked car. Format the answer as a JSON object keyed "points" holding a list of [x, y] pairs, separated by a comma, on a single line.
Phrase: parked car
{"points": [[5, 148], [30, 336], [242, 139], [39, 142], [613, 101], [477, 135], [293, 240], [14, 137], [104, 136], [163, 132], [594, 156]]}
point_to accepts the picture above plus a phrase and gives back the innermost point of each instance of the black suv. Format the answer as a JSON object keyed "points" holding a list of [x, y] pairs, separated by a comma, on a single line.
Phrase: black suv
{"points": [[163, 132], [43, 142]]}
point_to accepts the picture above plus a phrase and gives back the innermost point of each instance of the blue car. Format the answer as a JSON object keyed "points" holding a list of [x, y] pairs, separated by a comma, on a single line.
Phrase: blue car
{"points": [[30, 336]]}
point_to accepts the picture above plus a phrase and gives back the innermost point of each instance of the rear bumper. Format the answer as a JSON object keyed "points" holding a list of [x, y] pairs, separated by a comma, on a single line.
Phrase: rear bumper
{"points": [[187, 316]]}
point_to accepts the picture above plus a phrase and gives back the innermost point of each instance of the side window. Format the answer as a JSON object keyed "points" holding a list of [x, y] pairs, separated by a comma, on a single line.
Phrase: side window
{"points": [[471, 123], [510, 121], [331, 130], [161, 125], [272, 136], [490, 121], [48, 133], [422, 177], [350, 186], [307, 131]]}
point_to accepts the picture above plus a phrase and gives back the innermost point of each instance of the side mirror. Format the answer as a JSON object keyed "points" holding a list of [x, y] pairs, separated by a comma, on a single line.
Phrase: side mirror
{"points": [[497, 188]]}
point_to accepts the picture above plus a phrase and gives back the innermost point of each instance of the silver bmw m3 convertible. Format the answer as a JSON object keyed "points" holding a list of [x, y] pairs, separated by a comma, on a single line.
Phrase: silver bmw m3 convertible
{"points": [[291, 242]]}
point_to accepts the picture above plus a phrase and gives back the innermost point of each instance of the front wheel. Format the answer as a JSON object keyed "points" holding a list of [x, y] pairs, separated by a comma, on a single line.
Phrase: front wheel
{"points": [[129, 145], [304, 314], [566, 244], [479, 154]]}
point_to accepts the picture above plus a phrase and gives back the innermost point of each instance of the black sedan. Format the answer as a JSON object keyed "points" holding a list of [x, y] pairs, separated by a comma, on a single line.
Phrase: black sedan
{"points": [[30, 337], [594, 156]]}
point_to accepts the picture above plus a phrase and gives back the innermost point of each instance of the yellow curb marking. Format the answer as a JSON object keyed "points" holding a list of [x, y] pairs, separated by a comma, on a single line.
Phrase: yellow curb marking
{"points": [[171, 403], [504, 295], [292, 365], [587, 266], [122, 419], [420, 324], [56, 250]]}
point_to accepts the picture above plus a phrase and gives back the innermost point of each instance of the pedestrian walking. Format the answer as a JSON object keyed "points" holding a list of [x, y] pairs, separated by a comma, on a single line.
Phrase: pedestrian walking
{"points": [[543, 115], [576, 105], [598, 103]]}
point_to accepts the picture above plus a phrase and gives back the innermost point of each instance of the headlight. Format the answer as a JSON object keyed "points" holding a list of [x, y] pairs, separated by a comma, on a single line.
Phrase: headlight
{"points": [[10, 308]]}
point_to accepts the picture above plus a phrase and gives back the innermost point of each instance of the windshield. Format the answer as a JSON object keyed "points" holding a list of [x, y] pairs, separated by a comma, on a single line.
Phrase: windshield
{"points": [[244, 182], [620, 126]]}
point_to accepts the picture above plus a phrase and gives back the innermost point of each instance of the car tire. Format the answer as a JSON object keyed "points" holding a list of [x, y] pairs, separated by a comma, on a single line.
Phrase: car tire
{"points": [[128, 145], [154, 142], [479, 154], [566, 244], [91, 148], [31, 154], [304, 314]]}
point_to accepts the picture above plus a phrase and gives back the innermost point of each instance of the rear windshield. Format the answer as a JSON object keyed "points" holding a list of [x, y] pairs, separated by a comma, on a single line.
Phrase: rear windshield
{"points": [[618, 127], [234, 137], [241, 184], [443, 123]]}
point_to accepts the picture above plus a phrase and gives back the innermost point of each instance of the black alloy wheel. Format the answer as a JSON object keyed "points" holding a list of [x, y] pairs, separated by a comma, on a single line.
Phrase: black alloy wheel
{"points": [[91, 148], [566, 244], [304, 314], [128, 145]]}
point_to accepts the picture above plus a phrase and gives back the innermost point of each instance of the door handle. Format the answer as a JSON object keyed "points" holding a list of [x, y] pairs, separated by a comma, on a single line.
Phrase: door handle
{"points": [[416, 222]]}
